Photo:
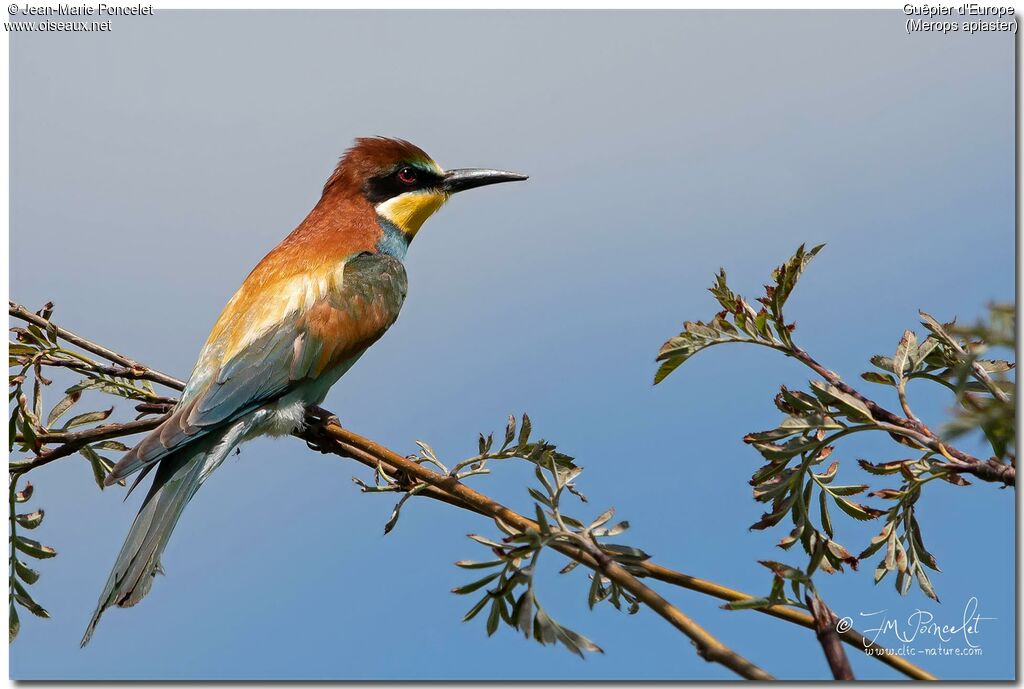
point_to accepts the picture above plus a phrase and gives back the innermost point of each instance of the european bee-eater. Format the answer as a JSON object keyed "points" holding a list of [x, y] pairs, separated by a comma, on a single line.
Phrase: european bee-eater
{"points": [[300, 320]]}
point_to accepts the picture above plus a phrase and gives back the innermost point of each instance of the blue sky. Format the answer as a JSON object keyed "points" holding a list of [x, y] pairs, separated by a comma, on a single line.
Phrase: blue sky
{"points": [[154, 165]]}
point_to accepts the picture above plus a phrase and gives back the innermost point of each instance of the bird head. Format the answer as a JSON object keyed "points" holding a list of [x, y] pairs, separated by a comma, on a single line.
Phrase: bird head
{"points": [[403, 184]]}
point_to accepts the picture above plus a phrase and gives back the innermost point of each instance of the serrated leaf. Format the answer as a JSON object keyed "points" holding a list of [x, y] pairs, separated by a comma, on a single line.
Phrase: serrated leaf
{"points": [[846, 403], [510, 431], [906, 348], [695, 337], [846, 490], [857, 510], [883, 468], [826, 521], [786, 276], [524, 430]]}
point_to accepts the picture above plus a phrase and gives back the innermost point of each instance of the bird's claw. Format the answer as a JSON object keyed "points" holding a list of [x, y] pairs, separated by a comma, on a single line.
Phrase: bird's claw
{"points": [[316, 416]]}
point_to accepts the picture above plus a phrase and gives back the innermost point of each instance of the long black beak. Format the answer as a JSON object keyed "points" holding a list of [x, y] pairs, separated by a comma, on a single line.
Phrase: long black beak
{"points": [[469, 178]]}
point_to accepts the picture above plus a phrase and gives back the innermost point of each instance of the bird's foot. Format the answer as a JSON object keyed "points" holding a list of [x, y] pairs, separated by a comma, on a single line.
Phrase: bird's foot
{"points": [[318, 416], [315, 423]]}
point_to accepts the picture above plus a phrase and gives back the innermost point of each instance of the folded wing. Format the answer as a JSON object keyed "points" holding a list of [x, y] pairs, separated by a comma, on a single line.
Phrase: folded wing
{"points": [[325, 328]]}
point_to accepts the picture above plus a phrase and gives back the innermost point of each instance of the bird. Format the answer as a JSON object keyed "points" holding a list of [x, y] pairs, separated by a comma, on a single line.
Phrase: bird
{"points": [[303, 316]]}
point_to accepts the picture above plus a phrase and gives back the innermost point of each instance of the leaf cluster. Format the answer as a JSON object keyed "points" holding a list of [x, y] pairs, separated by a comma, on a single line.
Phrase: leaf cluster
{"points": [[794, 481]]}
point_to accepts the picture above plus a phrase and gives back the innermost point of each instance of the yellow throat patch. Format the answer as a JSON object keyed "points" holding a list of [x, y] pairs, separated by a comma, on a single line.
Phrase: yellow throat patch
{"points": [[410, 210]]}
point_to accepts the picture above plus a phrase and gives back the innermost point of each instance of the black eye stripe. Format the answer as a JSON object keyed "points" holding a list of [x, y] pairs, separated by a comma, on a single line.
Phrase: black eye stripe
{"points": [[389, 185]]}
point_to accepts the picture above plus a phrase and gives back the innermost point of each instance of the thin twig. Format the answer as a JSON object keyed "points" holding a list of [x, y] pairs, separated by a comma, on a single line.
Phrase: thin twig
{"points": [[709, 648], [72, 442], [919, 432], [24, 314], [849, 637], [348, 444]]}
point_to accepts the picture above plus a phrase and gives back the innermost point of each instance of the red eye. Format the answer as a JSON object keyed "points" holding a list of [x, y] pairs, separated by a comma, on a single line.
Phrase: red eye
{"points": [[407, 175]]}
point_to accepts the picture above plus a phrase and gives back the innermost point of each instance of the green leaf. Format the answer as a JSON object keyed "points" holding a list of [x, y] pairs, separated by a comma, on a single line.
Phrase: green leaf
{"points": [[88, 417], [96, 462], [846, 403], [994, 366], [856, 510], [938, 329], [27, 574], [748, 604], [881, 378], [624, 552], [828, 474], [826, 521], [478, 584], [786, 276], [783, 570], [614, 530], [846, 490], [115, 445], [906, 348], [538, 496], [58, 410], [22, 597], [30, 520], [926, 585], [522, 613], [494, 618], [882, 468], [576, 642], [13, 623], [602, 519], [793, 425], [877, 542], [882, 362], [33, 548], [476, 608], [470, 564], [24, 494], [510, 431], [524, 430]]}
